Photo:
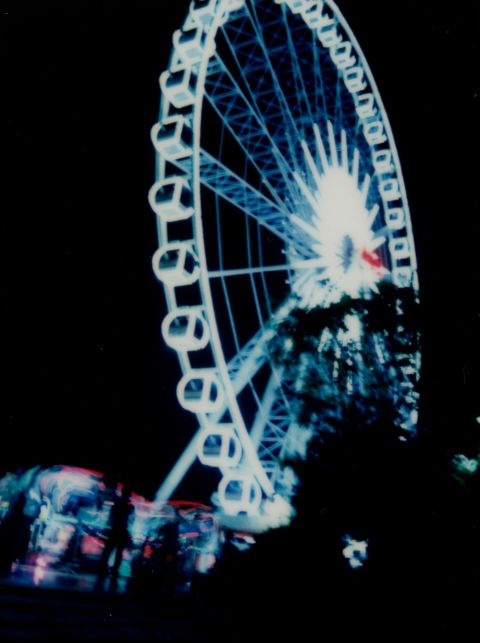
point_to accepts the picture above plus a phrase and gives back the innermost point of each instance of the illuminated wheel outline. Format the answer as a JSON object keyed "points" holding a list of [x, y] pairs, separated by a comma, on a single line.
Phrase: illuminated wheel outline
{"points": [[289, 153]]}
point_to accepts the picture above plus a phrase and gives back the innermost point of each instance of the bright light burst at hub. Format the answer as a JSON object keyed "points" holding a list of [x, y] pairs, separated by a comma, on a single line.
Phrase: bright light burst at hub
{"points": [[341, 227]]}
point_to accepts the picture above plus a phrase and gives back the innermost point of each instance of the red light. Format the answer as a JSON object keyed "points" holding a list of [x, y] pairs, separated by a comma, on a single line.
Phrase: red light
{"points": [[147, 551], [372, 258]]}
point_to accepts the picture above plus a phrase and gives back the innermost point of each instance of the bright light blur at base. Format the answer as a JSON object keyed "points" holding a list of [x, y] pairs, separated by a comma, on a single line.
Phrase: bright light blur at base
{"points": [[68, 511]]}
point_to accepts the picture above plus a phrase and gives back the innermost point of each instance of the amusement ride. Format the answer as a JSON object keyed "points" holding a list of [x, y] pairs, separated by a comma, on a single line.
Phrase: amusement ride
{"points": [[278, 185]]}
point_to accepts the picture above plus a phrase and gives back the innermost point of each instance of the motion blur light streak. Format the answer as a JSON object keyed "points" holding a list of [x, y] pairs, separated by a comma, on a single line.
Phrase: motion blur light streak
{"points": [[72, 508]]}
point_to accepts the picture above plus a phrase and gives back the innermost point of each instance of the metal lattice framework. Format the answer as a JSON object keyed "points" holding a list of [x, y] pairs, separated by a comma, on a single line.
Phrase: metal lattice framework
{"points": [[277, 181]]}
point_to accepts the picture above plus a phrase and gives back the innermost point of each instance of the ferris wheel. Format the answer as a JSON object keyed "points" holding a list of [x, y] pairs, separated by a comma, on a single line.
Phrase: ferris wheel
{"points": [[278, 181]]}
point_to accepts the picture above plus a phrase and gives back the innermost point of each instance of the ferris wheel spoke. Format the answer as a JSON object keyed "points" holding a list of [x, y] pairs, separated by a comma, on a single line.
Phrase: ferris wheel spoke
{"points": [[222, 181], [300, 92], [254, 64], [306, 264], [276, 18], [253, 282], [179, 470], [338, 114], [320, 98], [249, 130], [272, 424], [249, 360], [292, 132], [263, 413], [252, 356], [245, 365], [263, 279]]}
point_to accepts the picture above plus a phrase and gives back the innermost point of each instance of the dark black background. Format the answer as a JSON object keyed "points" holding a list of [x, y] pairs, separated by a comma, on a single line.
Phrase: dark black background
{"points": [[86, 377]]}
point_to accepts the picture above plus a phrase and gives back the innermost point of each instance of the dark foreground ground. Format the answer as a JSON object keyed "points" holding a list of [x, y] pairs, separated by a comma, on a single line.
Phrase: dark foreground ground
{"points": [[260, 595], [73, 614], [29, 613]]}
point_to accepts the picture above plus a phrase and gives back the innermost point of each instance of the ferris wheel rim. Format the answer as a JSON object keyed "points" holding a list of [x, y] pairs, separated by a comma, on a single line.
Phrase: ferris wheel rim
{"points": [[220, 360]]}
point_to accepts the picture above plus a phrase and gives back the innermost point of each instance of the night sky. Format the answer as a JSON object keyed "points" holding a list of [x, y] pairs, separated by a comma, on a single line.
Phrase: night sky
{"points": [[86, 377]]}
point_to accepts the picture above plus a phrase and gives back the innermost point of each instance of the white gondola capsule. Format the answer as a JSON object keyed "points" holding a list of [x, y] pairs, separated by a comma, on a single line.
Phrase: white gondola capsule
{"points": [[202, 12], [297, 6], [230, 7], [399, 248], [313, 15], [190, 45], [200, 391], [403, 276], [172, 138], [354, 79], [185, 329], [327, 32], [220, 447], [365, 108], [171, 199], [239, 493], [176, 264], [395, 218], [234, 5], [341, 55], [179, 87]]}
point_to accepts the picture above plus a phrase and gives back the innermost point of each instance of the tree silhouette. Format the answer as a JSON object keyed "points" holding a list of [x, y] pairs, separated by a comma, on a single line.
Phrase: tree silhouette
{"points": [[413, 495], [368, 473], [353, 362]]}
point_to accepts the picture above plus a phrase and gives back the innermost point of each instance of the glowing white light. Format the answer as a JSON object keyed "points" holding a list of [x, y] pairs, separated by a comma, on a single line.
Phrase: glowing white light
{"points": [[297, 440], [353, 330], [239, 493], [39, 571], [465, 465], [355, 551], [279, 511], [243, 542], [341, 224]]}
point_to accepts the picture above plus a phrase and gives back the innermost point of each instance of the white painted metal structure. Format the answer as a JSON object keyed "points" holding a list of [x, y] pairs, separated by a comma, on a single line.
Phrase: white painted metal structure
{"points": [[277, 181]]}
